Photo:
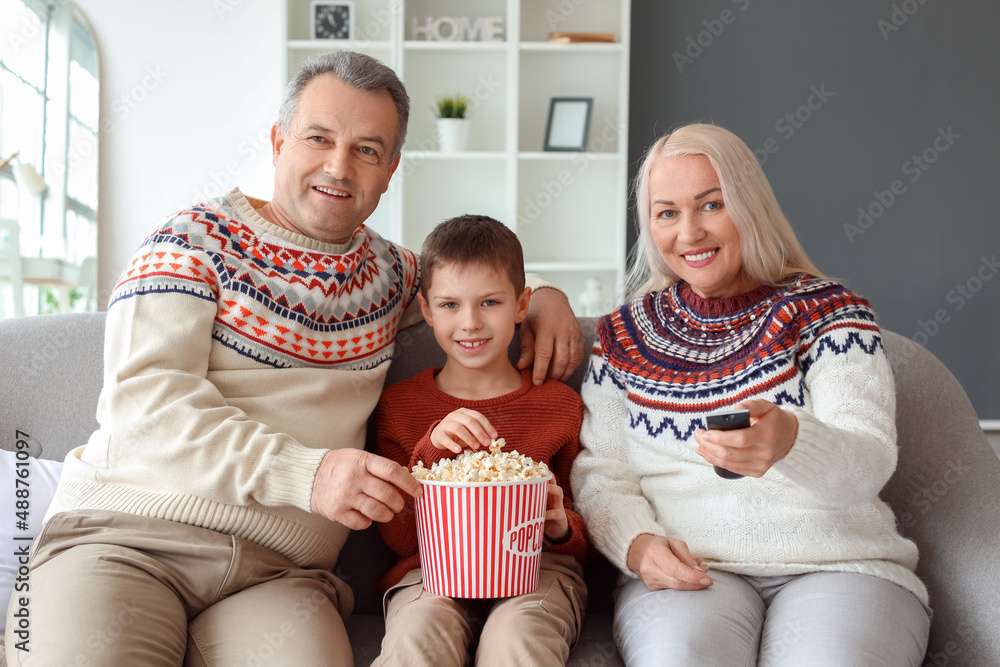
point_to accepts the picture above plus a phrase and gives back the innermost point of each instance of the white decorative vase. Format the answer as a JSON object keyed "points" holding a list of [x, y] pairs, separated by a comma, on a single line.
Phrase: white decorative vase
{"points": [[453, 134], [592, 298]]}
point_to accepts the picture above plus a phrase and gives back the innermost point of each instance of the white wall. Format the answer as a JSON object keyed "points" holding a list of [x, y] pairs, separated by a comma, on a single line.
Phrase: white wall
{"points": [[189, 89]]}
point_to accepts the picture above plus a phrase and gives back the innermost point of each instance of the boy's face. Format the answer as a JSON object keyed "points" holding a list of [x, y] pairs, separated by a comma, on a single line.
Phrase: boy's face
{"points": [[473, 311]]}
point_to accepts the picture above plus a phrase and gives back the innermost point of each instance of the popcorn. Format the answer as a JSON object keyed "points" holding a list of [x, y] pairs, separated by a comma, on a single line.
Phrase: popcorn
{"points": [[483, 466]]}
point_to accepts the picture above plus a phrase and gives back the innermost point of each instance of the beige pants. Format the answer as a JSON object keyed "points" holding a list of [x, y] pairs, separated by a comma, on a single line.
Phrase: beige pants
{"points": [[108, 588], [533, 630]]}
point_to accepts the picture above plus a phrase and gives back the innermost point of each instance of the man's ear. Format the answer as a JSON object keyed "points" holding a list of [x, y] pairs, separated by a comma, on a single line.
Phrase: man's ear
{"points": [[425, 309], [277, 139], [523, 302], [392, 170]]}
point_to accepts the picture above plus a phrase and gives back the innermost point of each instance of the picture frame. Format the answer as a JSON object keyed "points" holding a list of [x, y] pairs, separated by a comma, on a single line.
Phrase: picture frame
{"points": [[332, 20], [569, 124]]}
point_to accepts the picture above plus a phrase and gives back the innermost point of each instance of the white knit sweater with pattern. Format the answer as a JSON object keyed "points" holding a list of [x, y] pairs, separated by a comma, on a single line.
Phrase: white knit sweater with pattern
{"points": [[663, 361]]}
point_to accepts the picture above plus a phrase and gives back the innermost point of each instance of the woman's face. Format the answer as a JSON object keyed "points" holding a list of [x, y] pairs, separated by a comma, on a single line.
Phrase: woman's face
{"points": [[691, 227]]}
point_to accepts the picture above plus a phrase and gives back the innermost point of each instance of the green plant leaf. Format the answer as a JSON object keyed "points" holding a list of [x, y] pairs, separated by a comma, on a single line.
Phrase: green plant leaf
{"points": [[452, 106]]}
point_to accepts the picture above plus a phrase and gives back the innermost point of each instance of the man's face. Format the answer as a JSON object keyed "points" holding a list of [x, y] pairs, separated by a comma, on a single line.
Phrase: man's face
{"points": [[336, 160]]}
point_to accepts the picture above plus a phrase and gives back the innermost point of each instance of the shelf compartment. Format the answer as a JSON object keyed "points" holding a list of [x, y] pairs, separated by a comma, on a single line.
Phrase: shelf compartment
{"points": [[440, 189], [540, 17], [557, 202], [545, 75], [430, 74], [574, 282], [373, 21]]}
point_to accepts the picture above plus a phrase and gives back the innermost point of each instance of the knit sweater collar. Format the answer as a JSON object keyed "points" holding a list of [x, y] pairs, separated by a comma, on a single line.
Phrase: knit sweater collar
{"points": [[724, 306], [246, 212], [427, 377]]}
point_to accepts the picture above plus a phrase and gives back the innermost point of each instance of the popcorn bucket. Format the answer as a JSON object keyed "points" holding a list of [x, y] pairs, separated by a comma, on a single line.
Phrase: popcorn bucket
{"points": [[481, 540]]}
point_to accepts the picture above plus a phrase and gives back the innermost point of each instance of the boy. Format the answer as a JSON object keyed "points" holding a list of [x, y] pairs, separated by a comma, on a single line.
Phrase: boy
{"points": [[472, 295]]}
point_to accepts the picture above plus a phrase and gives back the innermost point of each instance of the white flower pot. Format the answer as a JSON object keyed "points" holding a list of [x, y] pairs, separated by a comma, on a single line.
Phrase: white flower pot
{"points": [[453, 134]]}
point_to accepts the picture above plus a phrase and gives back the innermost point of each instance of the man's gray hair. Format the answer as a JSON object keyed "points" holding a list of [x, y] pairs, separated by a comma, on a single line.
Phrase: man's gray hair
{"points": [[357, 69]]}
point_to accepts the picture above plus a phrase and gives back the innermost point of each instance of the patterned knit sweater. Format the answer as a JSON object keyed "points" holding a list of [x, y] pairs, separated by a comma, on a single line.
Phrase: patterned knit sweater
{"points": [[542, 422], [237, 354], [664, 360]]}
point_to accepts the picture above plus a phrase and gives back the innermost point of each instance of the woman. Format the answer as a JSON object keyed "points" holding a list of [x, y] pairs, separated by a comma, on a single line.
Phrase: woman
{"points": [[799, 562]]}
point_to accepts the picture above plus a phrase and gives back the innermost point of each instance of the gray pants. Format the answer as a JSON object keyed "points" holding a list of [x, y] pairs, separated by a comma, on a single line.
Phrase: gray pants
{"points": [[828, 619]]}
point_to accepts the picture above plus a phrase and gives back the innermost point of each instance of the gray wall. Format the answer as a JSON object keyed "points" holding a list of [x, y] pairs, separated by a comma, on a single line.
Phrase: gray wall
{"points": [[888, 105]]}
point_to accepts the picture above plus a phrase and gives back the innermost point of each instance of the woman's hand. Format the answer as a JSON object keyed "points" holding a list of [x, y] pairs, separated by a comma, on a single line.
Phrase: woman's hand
{"points": [[463, 428], [751, 451], [663, 562]]}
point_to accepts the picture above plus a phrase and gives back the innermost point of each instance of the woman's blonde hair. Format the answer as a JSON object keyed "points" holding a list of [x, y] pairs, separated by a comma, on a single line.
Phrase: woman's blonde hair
{"points": [[770, 250]]}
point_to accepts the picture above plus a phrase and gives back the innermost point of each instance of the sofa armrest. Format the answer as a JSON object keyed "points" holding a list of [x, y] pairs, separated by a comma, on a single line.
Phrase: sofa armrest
{"points": [[946, 496], [52, 374]]}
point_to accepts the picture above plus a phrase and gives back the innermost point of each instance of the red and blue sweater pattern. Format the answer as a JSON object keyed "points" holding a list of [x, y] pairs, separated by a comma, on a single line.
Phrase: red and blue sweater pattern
{"points": [[279, 304], [678, 356]]}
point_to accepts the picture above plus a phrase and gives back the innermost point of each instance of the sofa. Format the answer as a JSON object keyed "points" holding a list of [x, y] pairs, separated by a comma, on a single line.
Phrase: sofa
{"points": [[945, 492]]}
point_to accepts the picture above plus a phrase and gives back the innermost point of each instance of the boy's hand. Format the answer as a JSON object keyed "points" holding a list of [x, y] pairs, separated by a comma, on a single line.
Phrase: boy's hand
{"points": [[556, 523], [463, 428]]}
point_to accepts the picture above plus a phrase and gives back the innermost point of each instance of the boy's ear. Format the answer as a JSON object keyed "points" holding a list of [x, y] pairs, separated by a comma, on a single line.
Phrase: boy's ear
{"points": [[523, 302], [425, 309]]}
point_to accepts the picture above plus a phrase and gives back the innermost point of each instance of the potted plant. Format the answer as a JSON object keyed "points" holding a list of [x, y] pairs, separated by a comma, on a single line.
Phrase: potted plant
{"points": [[452, 125]]}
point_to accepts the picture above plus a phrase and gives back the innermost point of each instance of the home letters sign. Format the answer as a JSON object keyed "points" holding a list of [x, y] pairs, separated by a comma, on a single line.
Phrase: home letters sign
{"points": [[458, 29]]}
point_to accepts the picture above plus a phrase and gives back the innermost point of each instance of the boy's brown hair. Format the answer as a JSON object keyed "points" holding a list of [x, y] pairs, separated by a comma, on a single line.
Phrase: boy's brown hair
{"points": [[472, 240]]}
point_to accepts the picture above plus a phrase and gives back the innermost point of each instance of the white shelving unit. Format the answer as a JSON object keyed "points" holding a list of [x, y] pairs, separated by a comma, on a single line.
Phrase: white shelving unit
{"points": [[568, 209]]}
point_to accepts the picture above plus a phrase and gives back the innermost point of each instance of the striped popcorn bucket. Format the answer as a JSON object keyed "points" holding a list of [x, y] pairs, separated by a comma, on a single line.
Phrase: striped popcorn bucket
{"points": [[481, 540]]}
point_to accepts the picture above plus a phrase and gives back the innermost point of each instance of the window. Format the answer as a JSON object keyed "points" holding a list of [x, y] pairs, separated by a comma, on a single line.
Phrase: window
{"points": [[49, 105]]}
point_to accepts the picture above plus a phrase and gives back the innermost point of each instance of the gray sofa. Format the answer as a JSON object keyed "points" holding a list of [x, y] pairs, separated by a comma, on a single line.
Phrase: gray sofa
{"points": [[946, 490]]}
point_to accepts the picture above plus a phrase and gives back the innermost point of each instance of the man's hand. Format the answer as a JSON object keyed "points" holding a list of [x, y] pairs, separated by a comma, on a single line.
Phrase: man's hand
{"points": [[463, 428], [550, 337], [751, 451], [354, 487], [663, 562]]}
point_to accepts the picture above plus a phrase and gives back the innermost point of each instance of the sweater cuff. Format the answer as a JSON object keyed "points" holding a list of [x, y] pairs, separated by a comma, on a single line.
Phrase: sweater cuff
{"points": [[536, 282], [618, 537], [806, 462], [552, 541], [291, 474]]}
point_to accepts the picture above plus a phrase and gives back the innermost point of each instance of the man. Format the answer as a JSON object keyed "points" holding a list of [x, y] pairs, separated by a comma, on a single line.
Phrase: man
{"points": [[246, 345]]}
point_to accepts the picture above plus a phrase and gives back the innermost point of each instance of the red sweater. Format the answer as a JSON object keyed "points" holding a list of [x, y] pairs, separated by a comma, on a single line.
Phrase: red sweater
{"points": [[540, 422]]}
